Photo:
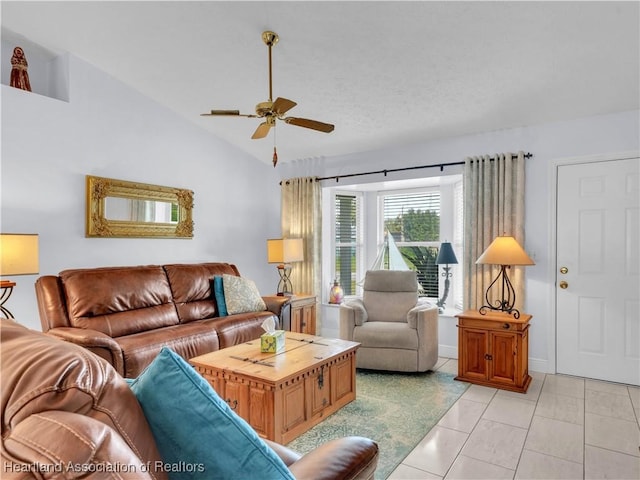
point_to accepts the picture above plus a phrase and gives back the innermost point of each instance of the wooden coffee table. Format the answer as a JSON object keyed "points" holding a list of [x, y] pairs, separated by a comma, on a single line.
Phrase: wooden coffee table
{"points": [[282, 395]]}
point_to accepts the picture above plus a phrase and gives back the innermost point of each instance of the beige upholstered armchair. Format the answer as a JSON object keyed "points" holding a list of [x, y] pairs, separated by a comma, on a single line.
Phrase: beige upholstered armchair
{"points": [[396, 330]]}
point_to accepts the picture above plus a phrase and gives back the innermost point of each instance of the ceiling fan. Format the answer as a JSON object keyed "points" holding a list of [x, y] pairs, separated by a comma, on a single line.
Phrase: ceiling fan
{"points": [[273, 110]]}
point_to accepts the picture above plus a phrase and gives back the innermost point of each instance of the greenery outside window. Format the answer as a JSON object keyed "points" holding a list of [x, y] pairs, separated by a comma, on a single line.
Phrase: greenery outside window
{"points": [[412, 219]]}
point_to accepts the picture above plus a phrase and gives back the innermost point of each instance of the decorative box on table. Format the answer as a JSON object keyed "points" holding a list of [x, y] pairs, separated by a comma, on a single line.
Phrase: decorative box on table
{"points": [[272, 342]]}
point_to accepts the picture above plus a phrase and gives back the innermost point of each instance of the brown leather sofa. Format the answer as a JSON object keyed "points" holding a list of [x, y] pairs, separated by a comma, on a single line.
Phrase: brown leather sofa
{"points": [[127, 314], [67, 414]]}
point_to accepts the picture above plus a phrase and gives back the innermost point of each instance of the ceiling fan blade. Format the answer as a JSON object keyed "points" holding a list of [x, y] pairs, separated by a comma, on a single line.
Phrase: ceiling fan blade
{"points": [[262, 130], [226, 113], [312, 124], [282, 105]]}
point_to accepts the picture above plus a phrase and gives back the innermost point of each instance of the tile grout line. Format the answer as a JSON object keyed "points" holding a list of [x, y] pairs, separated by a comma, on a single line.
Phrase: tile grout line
{"points": [[529, 427], [471, 433]]}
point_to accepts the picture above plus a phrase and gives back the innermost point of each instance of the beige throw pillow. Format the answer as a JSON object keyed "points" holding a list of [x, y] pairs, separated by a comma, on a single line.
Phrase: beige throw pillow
{"points": [[241, 295]]}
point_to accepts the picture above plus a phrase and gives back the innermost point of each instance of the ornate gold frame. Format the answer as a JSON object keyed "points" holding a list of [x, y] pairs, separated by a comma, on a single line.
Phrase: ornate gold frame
{"points": [[98, 189]]}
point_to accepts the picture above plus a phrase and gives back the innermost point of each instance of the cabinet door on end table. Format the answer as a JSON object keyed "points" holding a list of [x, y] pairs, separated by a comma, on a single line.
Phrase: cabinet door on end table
{"points": [[475, 345], [303, 314]]}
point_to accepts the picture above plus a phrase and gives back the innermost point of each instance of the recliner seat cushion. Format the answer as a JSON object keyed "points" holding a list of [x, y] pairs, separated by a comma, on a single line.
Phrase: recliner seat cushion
{"points": [[188, 340], [386, 335]]}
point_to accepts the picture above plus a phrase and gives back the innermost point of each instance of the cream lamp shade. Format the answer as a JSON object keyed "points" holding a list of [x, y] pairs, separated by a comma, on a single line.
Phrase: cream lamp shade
{"points": [[284, 250], [504, 250], [18, 254]]}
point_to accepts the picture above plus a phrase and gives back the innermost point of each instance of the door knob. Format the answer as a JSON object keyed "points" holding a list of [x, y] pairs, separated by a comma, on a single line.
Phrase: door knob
{"points": [[563, 284], [564, 270]]}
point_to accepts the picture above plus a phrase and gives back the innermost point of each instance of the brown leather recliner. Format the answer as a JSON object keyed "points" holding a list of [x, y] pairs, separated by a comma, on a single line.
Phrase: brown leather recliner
{"points": [[66, 413]]}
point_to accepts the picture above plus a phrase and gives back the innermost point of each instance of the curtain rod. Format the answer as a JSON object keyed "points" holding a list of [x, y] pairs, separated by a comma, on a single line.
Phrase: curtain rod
{"points": [[439, 165]]}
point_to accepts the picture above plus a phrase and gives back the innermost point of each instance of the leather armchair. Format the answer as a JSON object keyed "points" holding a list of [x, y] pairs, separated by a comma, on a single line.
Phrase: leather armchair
{"points": [[397, 330]]}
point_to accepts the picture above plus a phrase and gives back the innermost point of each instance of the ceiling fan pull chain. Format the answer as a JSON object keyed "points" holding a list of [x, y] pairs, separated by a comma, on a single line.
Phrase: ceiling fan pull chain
{"points": [[275, 153]]}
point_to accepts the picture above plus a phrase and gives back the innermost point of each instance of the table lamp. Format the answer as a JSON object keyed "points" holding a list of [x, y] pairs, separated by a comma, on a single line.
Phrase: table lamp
{"points": [[284, 251], [504, 251], [18, 256], [446, 257]]}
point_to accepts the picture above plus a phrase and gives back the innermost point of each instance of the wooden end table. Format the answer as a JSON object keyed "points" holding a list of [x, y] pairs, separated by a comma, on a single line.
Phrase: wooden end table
{"points": [[301, 316], [493, 350], [283, 395]]}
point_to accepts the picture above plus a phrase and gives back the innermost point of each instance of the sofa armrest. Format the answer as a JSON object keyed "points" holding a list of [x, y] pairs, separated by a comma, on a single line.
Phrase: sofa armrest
{"points": [[352, 314], [287, 455], [97, 342], [51, 302], [417, 313], [62, 444], [340, 459], [425, 320], [356, 306], [275, 303]]}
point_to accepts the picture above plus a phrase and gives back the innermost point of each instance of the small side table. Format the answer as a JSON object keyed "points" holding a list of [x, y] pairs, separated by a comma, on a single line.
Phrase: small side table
{"points": [[299, 313], [303, 313], [493, 350], [6, 287]]}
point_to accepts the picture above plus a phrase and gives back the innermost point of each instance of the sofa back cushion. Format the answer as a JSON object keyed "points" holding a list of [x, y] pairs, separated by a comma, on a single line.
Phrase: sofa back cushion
{"points": [[119, 301], [192, 288]]}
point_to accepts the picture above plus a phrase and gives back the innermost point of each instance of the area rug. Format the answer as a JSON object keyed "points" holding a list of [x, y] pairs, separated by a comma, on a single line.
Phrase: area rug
{"points": [[395, 409]]}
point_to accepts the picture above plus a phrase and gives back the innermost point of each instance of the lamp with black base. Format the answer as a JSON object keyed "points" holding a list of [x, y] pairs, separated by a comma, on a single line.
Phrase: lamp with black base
{"points": [[504, 251], [446, 257]]}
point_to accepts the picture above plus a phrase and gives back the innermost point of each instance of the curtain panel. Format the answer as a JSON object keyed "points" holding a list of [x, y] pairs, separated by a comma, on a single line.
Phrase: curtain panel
{"points": [[301, 217], [493, 206]]}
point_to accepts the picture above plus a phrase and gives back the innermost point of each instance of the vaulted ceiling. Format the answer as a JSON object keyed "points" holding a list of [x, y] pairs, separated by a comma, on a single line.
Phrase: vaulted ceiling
{"points": [[385, 73]]}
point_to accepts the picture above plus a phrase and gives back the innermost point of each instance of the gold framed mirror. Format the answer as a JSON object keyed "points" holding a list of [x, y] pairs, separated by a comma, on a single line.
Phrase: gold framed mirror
{"points": [[117, 208]]}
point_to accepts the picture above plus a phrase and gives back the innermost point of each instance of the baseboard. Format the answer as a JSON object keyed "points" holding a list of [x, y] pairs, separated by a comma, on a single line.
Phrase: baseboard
{"points": [[539, 365], [448, 351]]}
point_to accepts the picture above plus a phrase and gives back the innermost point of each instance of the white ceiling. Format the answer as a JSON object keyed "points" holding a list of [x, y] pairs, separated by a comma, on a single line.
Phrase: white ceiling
{"points": [[385, 73]]}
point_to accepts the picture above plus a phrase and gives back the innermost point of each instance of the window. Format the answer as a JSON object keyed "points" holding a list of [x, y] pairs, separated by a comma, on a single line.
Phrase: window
{"points": [[419, 214], [348, 239], [412, 220]]}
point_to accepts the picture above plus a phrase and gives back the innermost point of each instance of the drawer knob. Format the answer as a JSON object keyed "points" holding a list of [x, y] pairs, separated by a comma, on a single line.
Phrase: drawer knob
{"points": [[232, 403], [506, 326]]}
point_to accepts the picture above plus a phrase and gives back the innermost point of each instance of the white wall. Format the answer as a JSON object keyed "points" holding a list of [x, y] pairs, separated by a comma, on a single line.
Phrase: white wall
{"points": [[606, 134], [108, 129]]}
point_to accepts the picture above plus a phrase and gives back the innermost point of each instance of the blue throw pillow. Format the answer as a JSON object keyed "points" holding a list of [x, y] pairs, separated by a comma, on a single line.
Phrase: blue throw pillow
{"points": [[218, 292], [197, 433]]}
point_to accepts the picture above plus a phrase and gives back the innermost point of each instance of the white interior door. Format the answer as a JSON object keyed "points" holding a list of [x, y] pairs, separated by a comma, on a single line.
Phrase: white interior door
{"points": [[597, 296]]}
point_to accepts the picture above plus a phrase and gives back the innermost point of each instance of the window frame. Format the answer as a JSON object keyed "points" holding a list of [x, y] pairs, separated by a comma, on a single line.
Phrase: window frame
{"points": [[359, 237], [382, 194]]}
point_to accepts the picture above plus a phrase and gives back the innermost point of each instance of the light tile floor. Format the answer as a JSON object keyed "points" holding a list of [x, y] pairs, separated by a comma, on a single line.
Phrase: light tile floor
{"points": [[562, 428]]}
